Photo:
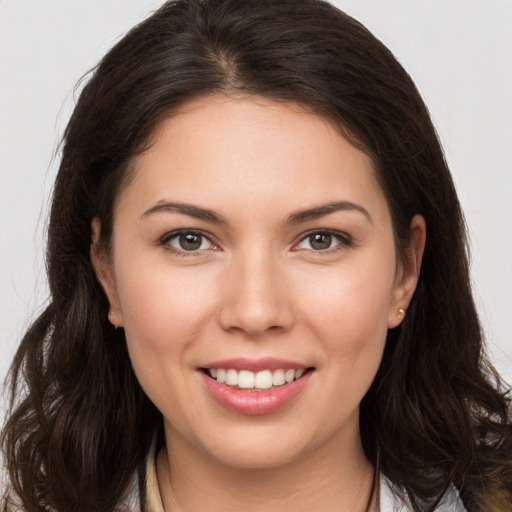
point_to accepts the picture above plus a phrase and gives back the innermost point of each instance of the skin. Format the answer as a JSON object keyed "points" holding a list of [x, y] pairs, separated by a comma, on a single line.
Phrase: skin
{"points": [[257, 287]]}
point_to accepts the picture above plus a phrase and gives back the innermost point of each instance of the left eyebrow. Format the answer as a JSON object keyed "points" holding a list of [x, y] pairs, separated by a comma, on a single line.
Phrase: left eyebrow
{"points": [[326, 209]]}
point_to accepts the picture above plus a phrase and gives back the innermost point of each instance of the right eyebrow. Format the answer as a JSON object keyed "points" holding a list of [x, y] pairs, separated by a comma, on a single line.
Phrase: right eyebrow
{"points": [[185, 209]]}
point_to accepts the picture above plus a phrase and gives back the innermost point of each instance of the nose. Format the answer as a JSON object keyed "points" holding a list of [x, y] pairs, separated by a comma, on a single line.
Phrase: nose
{"points": [[255, 298]]}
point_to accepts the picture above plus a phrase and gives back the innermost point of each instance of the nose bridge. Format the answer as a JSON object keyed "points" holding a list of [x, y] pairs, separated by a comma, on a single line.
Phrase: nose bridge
{"points": [[255, 299]]}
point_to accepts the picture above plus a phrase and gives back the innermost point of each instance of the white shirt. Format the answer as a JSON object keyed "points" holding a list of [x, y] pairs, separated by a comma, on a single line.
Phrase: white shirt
{"points": [[390, 502]]}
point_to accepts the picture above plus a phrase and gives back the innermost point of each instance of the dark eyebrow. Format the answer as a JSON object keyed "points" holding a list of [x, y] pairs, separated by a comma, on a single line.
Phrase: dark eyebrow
{"points": [[185, 209], [295, 218], [320, 211]]}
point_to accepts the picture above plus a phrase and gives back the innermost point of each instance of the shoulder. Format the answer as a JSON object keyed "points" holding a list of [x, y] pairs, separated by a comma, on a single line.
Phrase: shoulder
{"points": [[390, 502]]}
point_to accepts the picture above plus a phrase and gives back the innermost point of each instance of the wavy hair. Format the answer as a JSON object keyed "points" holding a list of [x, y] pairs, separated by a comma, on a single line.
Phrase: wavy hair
{"points": [[80, 424]]}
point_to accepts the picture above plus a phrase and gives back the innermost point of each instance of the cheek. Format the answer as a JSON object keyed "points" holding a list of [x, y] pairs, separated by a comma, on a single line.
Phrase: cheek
{"points": [[348, 313], [163, 311], [351, 301], [350, 321]]}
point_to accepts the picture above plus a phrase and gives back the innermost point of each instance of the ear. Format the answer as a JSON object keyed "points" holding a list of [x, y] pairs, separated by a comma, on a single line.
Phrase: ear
{"points": [[104, 273], [408, 272]]}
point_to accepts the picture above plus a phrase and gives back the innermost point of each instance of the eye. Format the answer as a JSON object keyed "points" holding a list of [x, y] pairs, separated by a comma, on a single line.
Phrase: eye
{"points": [[323, 241], [188, 241]]}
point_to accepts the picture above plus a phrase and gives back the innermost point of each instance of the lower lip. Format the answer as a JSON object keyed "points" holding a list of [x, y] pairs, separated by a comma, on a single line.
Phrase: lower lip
{"points": [[255, 403]]}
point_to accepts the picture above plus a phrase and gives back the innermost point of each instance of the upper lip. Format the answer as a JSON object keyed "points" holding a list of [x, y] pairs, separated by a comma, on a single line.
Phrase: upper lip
{"points": [[255, 365]]}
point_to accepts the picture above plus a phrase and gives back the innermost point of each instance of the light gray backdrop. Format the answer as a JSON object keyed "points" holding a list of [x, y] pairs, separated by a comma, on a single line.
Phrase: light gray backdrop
{"points": [[457, 51]]}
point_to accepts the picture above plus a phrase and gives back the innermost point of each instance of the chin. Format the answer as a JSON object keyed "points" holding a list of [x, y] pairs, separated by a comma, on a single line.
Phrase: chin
{"points": [[257, 458], [267, 449]]}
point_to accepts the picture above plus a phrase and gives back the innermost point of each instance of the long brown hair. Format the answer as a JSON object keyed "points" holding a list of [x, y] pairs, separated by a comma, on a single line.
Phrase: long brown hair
{"points": [[80, 425]]}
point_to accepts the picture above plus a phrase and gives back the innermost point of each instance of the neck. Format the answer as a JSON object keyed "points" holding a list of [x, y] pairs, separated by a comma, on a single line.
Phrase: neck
{"points": [[335, 477]]}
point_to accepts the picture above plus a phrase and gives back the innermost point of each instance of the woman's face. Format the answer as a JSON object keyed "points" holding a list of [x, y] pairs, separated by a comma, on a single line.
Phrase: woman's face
{"points": [[254, 244]]}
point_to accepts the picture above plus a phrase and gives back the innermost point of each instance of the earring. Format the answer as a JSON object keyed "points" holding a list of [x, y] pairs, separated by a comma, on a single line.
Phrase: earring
{"points": [[401, 312]]}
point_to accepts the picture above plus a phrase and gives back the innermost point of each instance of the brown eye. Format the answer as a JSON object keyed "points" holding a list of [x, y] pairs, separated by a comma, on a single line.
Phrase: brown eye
{"points": [[190, 241], [324, 241], [320, 241], [187, 241]]}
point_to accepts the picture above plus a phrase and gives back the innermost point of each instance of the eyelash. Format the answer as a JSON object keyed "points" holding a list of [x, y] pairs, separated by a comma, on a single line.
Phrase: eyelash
{"points": [[344, 241], [166, 239]]}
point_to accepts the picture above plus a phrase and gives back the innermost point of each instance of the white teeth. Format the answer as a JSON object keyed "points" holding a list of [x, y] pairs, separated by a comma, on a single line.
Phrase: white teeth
{"points": [[232, 378], [245, 379], [299, 373], [278, 378], [264, 379]]}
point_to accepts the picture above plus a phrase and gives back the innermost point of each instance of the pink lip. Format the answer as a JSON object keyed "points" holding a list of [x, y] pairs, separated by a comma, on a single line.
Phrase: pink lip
{"points": [[255, 365], [254, 403]]}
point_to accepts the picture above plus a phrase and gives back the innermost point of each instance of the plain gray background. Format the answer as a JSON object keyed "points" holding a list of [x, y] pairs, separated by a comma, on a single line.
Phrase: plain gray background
{"points": [[457, 51]]}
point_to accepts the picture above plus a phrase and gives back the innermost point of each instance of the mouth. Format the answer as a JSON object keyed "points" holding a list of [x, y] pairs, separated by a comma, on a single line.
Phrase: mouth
{"points": [[256, 386], [264, 380]]}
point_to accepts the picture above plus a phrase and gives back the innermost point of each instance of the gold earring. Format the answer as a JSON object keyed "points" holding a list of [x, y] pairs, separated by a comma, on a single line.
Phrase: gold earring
{"points": [[401, 312]]}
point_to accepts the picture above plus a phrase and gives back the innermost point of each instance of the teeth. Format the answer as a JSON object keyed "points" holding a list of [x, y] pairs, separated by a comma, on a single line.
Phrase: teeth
{"points": [[232, 378], [278, 378], [289, 375], [245, 379], [265, 379]]}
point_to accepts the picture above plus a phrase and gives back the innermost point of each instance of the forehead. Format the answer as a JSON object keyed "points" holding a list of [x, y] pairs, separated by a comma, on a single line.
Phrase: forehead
{"points": [[251, 151]]}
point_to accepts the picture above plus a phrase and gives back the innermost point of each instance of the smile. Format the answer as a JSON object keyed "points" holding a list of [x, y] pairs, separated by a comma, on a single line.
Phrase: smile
{"points": [[255, 387], [258, 381]]}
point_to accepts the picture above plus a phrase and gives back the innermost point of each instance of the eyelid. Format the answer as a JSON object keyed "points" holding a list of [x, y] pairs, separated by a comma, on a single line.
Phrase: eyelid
{"points": [[345, 240], [167, 237]]}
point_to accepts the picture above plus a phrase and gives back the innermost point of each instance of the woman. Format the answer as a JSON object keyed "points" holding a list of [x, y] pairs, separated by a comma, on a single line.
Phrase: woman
{"points": [[259, 282]]}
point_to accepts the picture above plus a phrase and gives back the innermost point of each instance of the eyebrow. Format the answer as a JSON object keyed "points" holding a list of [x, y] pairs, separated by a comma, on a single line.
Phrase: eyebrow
{"points": [[295, 218], [186, 209], [326, 209]]}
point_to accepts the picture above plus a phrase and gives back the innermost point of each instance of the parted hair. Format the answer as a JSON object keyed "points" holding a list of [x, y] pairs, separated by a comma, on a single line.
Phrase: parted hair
{"points": [[437, 414]]}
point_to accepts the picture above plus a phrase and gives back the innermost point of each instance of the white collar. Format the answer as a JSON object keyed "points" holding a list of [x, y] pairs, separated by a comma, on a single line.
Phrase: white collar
{"points": [[391, 502]]}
